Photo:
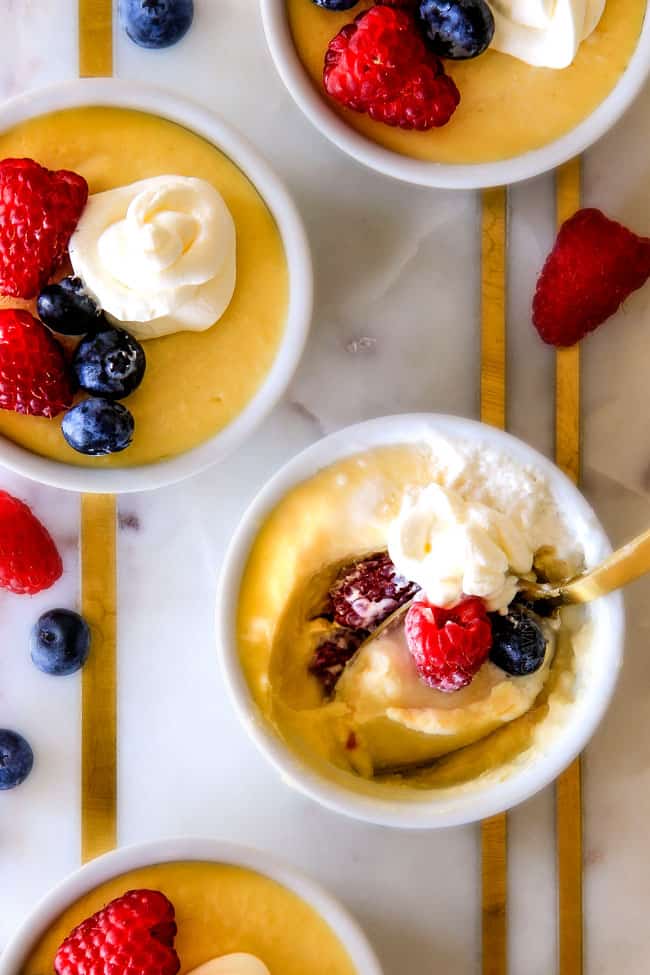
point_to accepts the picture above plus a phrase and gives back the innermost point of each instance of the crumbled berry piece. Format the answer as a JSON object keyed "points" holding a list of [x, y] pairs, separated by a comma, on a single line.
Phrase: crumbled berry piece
{"points": [[449, 646], [331, 656], [368, 591]]}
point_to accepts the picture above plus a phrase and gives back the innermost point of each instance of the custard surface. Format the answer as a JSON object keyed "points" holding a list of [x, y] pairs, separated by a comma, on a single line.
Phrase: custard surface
{"points": [[357, 738], [220, 909], [507, 107], [196, 382]]}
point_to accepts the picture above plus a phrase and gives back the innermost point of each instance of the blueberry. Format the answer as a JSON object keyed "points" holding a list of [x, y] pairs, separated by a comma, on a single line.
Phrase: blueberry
{"points": [[156, 23], [66, 308], [98, 426], [16, 759], [336, 4], [457, 29], [109, 363], [518, 643], [60, 642]]}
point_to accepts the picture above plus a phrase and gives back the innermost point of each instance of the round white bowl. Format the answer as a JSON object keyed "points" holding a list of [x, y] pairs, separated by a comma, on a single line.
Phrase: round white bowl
{"points": [[415, 808], [446, 175], [122, 94], [128, 858]]}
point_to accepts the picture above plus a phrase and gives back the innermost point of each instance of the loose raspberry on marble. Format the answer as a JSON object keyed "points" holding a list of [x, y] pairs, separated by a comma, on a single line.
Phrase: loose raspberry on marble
{"points": [[368, 591], [381, 66], [449, 646], [29, 559], [594, 266]]}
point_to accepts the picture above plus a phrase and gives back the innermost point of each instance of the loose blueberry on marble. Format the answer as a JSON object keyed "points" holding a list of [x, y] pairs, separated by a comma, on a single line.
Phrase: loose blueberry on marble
{"points": [[16, 759], [336, 4], [66, 308], [98, 426], [518, 643], [156, 23], [110, 363], [457, 29], [60, 642]]}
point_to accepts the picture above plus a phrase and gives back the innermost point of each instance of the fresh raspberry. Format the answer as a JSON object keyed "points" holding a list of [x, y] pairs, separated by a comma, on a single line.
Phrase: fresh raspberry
{"points": [[39, 209], [331, 657], [367, 592], [449, 646], [33, 375], [595, 265], [133, 935], [29, 560], [381, 65]]}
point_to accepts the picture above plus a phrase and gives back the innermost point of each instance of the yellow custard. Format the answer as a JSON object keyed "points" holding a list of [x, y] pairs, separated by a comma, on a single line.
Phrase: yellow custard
{"points": [[507, 107], [483, 730], [196, 382], [220, 909]]}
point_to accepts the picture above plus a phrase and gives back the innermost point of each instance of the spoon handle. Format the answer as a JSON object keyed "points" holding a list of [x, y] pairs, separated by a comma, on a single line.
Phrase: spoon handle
{"points": [[623, 566]]}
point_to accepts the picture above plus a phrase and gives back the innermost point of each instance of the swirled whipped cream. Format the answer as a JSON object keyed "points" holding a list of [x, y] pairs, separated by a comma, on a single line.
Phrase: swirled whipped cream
{"points": [[453, 547], [159, 255], [544, 33], [237, 964]]}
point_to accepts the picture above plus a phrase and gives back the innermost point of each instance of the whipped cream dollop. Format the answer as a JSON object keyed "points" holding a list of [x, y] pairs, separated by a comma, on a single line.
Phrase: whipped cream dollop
{"points": [[239, 963], [544, 33], [159, 255], [453, 547]]}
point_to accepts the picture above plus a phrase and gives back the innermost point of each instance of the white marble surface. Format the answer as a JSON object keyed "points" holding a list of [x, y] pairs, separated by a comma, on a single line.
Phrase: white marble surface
{"points": [[396, 265]]}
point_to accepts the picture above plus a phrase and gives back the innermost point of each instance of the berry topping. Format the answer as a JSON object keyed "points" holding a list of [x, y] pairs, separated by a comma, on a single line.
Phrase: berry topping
{"points": [[331, 657], [39, 210], [133, 935], [381, 65], [367, 592], [33, 374], [60, 642], [98, 426], [518, 643], [449, 646], [336, 4], [595, 265], [458, 29], [156, 23], [16, 759], [109, 363], [66, 308], [29, 560]]}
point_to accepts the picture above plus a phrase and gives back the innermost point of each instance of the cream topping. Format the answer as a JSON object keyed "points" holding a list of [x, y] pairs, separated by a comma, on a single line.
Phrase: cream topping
{"points": [[544, 33], [159, 255], [453, 547]]}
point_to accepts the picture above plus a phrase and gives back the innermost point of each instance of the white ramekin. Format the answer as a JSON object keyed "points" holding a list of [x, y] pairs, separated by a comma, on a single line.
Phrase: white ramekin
{"points": [[123, 94], [83, 881], [446, 175], [430, 809]]}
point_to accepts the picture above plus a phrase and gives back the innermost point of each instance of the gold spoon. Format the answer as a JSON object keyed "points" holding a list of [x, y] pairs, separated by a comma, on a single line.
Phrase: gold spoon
{"points": [[625, 565]]}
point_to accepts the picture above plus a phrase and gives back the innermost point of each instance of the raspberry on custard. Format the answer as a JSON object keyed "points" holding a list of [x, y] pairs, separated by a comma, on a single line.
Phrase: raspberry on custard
{"points": [[133, 935], [380, 65], [34, 376], [39, 210], [449, 646], [368, 591]]}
